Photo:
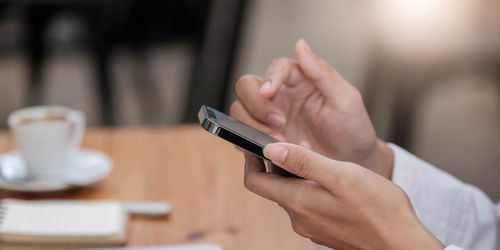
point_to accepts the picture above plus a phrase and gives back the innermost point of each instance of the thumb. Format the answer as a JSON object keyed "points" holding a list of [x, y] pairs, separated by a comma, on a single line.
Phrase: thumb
{"points": [[303, 162]]}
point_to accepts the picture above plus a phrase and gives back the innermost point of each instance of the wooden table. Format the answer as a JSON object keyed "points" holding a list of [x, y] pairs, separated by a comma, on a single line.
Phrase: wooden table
{"points": [[201, 175]]}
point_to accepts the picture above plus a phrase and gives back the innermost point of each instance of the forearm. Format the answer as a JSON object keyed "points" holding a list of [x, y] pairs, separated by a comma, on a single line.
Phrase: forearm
{"points": [[412, 237]]}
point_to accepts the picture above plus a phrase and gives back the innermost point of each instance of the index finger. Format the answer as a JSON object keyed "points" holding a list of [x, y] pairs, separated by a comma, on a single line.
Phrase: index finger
{"points": [[270, 186], [281, 71], [262, 109]]}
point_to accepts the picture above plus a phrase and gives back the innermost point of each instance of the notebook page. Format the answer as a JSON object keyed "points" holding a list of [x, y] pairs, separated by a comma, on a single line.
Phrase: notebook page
{"points": [[62, 218]]}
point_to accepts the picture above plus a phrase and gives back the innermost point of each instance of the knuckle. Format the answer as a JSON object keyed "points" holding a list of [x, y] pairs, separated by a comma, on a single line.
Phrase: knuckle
{"points": [[297, 227], [278, 64], [298, 206], [280, 60], [317, 241], [247, 182], [348, 178], [244, 79], [290, 199]]}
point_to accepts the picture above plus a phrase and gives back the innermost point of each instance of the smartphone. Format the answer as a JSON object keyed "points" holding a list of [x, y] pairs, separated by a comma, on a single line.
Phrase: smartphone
{"points": [[239, 134]]}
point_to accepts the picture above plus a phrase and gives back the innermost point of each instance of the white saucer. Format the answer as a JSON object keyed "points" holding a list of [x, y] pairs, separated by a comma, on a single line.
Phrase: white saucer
{"points": [[90, 167]]}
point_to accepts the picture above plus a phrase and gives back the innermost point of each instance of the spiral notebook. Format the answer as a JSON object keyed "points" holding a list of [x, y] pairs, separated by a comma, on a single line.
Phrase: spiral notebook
{"points": [[59, 223]]}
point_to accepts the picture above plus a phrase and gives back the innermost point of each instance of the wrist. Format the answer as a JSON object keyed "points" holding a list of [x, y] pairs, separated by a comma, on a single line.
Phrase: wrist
{"points": [[380, 159], [414, 237]]}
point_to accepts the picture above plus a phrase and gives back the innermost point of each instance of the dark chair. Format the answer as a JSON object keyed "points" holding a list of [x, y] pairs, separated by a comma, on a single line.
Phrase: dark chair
{"points": [[212, 27]]}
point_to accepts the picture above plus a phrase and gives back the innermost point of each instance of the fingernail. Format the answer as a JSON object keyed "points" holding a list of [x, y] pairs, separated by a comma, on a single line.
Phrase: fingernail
{"points": [[265, 87], [276, 120], [276, 153]]}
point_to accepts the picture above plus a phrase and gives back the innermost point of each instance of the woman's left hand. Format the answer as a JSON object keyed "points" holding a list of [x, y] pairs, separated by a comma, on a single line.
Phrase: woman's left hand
{"points": [[338, 204]]}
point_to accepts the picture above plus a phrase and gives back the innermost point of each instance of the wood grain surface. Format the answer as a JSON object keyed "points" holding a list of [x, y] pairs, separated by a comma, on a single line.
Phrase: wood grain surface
{"points": [[202, 177]]}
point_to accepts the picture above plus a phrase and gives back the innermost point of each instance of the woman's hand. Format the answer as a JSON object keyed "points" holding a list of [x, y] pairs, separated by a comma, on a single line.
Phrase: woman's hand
{"points": [[306, 102], [338, 204]]}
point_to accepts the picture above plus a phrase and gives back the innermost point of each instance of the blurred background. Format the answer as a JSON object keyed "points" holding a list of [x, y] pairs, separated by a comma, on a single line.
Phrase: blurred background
{"points": [[429, 70]]}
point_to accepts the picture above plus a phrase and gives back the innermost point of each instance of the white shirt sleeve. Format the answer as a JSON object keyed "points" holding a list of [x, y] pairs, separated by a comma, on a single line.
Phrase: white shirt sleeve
{"points": [[453, 247], [457, 213]]}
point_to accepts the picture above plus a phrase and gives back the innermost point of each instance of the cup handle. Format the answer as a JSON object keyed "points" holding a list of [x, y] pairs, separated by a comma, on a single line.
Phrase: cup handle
{"points": [[78, 119]]}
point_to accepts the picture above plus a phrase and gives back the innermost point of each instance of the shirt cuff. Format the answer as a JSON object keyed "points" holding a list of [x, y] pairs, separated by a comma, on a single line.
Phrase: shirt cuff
{"points": [[403, 172], [452, 247]]}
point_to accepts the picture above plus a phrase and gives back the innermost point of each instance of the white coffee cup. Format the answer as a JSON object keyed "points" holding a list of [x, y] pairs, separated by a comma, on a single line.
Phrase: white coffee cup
{"points": [[48, 138]]}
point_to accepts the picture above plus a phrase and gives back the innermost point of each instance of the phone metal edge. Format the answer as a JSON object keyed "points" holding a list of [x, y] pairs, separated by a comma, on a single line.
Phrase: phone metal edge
{"points": [[213, 128], [206, 123]]}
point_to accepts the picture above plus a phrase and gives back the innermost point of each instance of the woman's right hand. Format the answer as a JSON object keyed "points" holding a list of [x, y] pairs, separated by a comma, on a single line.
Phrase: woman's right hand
{"points": [[308, 103], [338, 204]]}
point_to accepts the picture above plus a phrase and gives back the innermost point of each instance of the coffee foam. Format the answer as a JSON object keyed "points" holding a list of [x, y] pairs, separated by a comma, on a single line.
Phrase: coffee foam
{"points": [[43, 123]]}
